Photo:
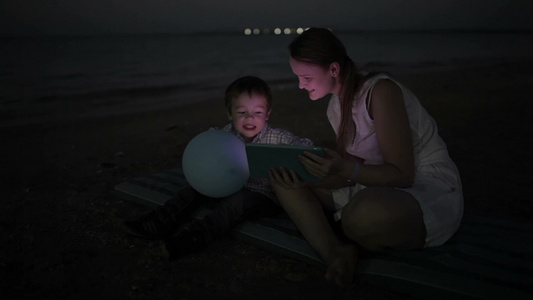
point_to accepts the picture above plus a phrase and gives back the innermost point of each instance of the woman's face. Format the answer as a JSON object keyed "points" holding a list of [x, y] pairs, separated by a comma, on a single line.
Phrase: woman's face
{"points": [[316, 80]]}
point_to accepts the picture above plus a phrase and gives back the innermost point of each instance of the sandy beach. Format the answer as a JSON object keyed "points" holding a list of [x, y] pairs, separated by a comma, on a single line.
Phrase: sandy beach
{"points": [[60, 221]]}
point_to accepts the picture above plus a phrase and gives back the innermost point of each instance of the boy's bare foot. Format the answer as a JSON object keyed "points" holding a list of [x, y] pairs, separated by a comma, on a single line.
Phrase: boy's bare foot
{"points": [[341, 267]]}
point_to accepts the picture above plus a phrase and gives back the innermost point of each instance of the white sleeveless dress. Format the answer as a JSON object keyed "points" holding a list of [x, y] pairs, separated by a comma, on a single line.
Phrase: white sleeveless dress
{"points": [[437, 185]]}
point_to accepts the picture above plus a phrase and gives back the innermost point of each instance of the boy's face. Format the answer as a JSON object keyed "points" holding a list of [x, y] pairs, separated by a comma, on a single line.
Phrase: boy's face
{"points": [[249, 114]]}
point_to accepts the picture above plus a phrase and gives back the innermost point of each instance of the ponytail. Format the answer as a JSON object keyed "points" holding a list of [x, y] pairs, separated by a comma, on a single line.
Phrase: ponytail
{"points": [[350, 80]]}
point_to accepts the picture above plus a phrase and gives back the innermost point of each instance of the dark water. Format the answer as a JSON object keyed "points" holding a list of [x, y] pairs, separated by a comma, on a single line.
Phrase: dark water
{"points": [[71, 77]]}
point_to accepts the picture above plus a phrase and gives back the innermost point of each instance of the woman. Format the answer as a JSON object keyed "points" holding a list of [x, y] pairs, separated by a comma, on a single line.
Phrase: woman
{"points": [[391, 185]]}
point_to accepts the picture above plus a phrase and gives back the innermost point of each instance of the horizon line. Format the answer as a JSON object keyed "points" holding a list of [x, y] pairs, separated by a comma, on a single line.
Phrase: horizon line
{"points": [[269, 32]]}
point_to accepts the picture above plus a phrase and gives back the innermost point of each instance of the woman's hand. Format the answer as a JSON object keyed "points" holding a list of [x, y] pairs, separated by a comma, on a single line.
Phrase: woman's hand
{"points": [[285, 179], [322, 167]]}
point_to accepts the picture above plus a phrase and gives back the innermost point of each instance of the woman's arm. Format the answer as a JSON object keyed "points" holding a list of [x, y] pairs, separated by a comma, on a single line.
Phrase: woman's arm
{"points": [[394, 138]]}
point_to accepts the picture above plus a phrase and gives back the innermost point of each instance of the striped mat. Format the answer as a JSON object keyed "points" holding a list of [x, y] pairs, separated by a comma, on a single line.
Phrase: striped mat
{"points": [[488, 258]]}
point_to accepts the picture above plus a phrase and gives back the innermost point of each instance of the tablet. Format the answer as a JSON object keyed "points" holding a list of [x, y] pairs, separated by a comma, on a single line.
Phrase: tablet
{"points": [[262, 157]]}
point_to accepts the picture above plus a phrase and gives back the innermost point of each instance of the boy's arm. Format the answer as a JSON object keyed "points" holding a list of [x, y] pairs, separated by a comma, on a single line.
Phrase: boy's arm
{"points": [[288, 138]]}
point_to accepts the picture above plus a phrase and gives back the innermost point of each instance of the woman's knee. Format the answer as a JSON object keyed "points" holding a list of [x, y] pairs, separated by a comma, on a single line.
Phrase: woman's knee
{"points": [[361, 218], [380, 218]]}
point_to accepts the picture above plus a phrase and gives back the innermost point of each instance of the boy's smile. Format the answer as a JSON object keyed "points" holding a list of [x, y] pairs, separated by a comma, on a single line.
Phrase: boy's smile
{"points": [[249, 127]]}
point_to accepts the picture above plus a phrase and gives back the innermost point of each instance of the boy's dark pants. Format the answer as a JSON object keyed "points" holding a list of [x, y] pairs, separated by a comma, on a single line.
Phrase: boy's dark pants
{"points": [[225, 212]]}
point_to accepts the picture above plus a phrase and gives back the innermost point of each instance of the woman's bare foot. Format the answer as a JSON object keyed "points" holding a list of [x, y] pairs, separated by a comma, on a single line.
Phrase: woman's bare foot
{"points": [[342, 265]]}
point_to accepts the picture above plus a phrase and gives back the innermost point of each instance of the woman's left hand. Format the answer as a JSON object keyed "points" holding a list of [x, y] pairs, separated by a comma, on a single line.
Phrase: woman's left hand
{"points": [[322, 167], [285, 179]]}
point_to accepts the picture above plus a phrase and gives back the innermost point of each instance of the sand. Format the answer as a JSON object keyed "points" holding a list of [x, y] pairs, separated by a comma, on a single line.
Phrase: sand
{"points": [[60, 223]]}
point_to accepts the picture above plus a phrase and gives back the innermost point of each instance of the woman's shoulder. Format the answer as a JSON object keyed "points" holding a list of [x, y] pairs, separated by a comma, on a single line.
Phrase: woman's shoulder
{"points": [[368, 77], [386, 85], [378, 81]]}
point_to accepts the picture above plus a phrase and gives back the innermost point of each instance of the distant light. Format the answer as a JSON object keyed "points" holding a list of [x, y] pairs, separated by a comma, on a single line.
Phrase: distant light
{"points": [[276, 31]]}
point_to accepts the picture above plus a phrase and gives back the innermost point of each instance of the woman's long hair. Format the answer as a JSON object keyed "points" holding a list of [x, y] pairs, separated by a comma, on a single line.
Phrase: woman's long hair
{"points": [[319, 46]]}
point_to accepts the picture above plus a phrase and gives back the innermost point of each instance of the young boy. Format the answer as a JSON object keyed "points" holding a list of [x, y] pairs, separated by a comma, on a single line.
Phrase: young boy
{"points": [[248, 103]]}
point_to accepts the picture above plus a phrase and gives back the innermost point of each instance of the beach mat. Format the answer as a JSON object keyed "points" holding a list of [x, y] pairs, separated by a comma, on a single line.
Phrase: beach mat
{"points": [[488, 258]]}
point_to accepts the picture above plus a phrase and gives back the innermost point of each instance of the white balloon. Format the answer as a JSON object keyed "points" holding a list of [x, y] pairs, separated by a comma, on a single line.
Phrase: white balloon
{"points": [[215, 164]]}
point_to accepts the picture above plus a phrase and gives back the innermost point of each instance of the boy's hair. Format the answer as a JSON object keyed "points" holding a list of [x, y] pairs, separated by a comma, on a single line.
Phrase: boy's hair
{"points": [[251, 85]]}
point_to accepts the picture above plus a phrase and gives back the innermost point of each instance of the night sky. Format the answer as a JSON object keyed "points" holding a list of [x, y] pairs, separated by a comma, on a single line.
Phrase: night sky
{"points": [[50, 17]]}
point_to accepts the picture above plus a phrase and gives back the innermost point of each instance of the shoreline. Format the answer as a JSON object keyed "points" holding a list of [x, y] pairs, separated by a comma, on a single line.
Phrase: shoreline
{"points": [[165, 102]]}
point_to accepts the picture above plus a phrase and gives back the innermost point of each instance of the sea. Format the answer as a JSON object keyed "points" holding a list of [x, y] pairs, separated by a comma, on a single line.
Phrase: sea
{"points": [[52, 78]]}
